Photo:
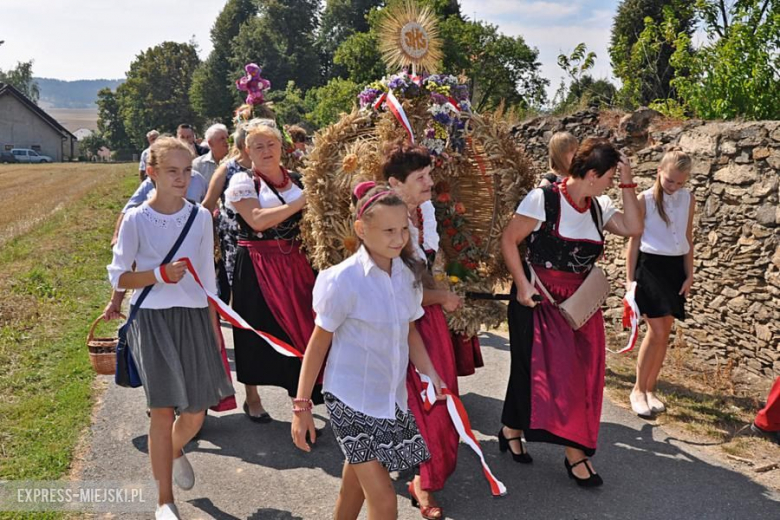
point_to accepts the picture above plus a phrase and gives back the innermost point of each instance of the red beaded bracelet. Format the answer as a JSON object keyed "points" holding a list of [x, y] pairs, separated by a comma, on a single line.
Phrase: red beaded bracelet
{"points": [[301, 400], [299, 410], [627, 186]]}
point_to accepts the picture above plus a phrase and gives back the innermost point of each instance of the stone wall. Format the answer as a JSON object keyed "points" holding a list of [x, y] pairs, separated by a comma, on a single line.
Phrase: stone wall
{"points": [[734, 310]]}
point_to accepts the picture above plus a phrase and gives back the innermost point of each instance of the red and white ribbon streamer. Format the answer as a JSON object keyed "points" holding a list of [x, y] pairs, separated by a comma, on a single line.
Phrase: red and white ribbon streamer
{"points": [[460, 420], [237, 321], [381, 99], [453, 103], [398, 111], [631, 317]]}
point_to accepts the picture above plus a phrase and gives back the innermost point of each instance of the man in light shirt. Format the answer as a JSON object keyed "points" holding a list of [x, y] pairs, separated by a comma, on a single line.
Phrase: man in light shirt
{"points": [[217, 138], [151, 137]]}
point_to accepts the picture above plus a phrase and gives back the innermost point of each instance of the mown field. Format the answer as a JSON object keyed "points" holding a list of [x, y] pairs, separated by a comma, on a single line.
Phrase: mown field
{"points": [[56, 222]]}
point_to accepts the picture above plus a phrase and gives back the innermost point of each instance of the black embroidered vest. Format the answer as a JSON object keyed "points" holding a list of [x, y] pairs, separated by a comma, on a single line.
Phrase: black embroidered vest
{"points": [[547, 248], [288, 229]]}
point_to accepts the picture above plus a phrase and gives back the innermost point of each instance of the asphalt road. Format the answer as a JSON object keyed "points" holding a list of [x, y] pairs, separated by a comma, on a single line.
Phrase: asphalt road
{"points": [[252, 471]]}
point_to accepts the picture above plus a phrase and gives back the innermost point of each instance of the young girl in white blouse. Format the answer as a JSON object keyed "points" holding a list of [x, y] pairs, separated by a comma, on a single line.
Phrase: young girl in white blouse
{"points": [[172, 338], [661, 264], [366, 308]]}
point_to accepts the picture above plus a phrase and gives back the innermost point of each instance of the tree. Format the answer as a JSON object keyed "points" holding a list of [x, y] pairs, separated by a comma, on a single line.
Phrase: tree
{"points": [[111, 126], [92, 144], [21, 78], [499, 67], [360, 58], [639, 51], [582, 90], [327, 103], [156, 93], [212, 90], [340, 20], [281, 40], [737, 73], [289, 105]]}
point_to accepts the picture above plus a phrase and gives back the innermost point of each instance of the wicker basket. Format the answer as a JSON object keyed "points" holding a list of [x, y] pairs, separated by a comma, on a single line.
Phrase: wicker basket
{"points": [[102, 351]]}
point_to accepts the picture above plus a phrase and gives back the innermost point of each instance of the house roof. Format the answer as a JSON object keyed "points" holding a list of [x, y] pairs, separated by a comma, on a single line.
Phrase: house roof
{"points": [[6, 89]]}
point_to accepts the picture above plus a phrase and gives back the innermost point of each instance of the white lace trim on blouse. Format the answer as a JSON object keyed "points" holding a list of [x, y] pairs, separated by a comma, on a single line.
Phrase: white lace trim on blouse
{"points": [[165, 221]]}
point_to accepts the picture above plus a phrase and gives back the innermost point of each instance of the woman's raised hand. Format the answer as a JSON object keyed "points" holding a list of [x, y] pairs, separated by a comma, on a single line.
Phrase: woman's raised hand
{"points": [[624, 169]]}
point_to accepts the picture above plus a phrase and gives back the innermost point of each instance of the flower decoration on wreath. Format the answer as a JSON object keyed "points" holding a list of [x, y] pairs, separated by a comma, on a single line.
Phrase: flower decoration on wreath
{"points": [[446, 98]]}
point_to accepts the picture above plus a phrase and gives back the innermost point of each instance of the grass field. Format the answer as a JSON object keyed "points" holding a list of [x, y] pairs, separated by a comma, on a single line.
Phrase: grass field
{"points": [[32, 192], [57, 222]]}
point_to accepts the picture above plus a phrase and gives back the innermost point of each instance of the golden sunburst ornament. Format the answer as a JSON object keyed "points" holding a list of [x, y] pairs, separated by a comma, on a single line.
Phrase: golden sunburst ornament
{"points": [[409, 35]]}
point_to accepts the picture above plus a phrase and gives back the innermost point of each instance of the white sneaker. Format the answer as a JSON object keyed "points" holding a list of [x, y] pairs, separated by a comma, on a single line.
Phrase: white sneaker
{"points": [[639, 405], [656, 406], [167, 512], [183, 474]]}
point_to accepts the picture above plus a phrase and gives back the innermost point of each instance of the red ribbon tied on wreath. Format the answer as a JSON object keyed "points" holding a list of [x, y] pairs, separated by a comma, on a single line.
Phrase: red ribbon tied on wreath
{"points": [[253, 84]]}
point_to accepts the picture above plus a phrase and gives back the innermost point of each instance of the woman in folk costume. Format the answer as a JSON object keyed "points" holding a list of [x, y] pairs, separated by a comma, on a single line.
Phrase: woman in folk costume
{"points": [[556, 380], [407, 168], [272, 279]]}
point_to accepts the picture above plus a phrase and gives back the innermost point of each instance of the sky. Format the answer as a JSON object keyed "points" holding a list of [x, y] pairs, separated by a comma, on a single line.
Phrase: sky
{"points": [[97, 39]]}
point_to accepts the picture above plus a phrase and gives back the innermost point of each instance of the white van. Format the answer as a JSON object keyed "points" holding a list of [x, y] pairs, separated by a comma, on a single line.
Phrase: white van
{"points": [[25, 155]]}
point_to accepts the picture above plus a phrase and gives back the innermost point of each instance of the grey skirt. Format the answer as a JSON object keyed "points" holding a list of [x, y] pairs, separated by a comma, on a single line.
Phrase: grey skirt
{"points": [[178, 358]]}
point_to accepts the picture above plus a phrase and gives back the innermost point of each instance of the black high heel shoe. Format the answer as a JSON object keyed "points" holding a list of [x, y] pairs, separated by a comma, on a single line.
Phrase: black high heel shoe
{"points": [[593, 480], [503, 445]]}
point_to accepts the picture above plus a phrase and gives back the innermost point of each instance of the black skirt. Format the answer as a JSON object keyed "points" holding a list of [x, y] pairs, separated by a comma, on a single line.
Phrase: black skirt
{"points": [[658, 282], [256, 362]]}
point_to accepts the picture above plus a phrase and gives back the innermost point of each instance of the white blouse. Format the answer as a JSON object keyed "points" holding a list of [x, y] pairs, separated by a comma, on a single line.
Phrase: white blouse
{"points": [[242, 186], [430, 235], [368, 312], [574, 225], [660, 239], [145, 238]]}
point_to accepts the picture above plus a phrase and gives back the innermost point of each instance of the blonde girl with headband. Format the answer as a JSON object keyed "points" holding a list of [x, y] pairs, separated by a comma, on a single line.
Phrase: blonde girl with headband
{"points": [[173, 338], [561, 148], [661, 264], [366, 308]]}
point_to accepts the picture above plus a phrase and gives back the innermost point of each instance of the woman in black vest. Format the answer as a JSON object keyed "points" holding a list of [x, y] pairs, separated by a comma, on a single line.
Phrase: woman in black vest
{"points": [[557, 374]]}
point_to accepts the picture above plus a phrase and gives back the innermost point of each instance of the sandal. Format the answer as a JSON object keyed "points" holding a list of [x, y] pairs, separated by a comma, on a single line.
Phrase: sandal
{"points": [[427, 512]]}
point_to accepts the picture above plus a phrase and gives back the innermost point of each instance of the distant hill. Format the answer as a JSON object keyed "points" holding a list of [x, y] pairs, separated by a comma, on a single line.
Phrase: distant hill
{"points": [[56, 93]]}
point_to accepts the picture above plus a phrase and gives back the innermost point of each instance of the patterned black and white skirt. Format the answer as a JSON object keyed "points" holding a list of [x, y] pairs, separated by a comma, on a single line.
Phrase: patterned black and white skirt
{"points": [[395, 443]]}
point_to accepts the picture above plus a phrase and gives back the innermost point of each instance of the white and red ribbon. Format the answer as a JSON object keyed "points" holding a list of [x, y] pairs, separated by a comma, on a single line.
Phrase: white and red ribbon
{"points": [[398, 111], [453, 103], [631, 317], [460, 420], [381, 99], [237, 321]]}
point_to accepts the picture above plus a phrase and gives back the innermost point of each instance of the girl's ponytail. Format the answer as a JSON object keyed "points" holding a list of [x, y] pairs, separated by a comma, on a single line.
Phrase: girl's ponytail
{"points": [[658, 197]]}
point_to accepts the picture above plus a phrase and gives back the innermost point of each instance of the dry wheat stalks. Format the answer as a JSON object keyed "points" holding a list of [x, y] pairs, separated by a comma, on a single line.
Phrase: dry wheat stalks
{"points": [[351, 150]]}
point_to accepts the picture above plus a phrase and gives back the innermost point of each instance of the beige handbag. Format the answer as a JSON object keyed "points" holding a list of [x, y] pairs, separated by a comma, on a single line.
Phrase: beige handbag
{"points": [[586, 300]]}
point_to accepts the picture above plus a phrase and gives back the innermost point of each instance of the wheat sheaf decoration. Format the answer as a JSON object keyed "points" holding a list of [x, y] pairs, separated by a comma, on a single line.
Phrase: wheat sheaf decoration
{"points": [[409, 36]]}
